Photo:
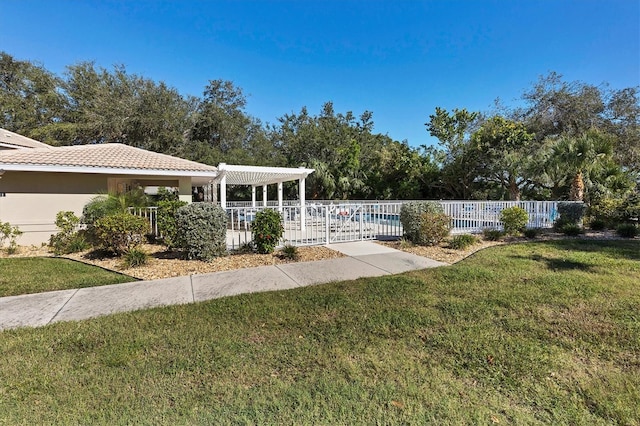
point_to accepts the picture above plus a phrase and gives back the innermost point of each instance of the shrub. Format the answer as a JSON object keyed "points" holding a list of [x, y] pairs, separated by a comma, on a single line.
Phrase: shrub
{"points": [[120, 232], [11, 233], [463, 241], [201, 231], [514, 220], [434, 227], [135, 258], [598, 225], [571, 229], [267, 230], [167, 227], [492, 234], [627, 230], [570, 213], [411, 217], [531, 233], [290, 252], [69, 239]]}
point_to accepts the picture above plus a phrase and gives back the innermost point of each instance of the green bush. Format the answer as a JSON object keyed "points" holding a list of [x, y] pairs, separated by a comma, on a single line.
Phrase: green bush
{"points": [[69, 239], [492, 234], [11, 233], [201, 231], [267, 230], [627, 230], [531, 233], [514, 220], [598, 224], [411, 217], [434, 227], [135, 258], [289, 252], [570, 213], [571, 229], [167, 227], [120, 232], [462, 241]]}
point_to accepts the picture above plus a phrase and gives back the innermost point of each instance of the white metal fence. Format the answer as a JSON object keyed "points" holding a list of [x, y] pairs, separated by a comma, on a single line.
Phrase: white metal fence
{"points": [[330, 222]]}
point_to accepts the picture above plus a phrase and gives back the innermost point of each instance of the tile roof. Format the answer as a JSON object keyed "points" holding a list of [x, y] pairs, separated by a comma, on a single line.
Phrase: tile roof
{"points": [[18, 141], [100, 156]]}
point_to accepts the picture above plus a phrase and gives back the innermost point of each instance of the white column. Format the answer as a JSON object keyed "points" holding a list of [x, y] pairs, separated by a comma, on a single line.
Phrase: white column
{"points": [[223, 192], [264, 195], [253, 196], [280, 197], [303, 208]]}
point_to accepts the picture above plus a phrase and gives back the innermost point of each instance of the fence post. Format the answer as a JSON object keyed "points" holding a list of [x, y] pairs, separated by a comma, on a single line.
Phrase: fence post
{"points": [[327, 226]]}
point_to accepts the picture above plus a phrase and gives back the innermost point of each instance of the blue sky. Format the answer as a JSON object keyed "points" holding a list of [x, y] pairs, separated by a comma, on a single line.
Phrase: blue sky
{"points": [[398, 59]]}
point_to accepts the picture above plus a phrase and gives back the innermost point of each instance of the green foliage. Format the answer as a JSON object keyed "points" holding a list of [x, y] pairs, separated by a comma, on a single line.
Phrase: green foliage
{"points": [[135, 258], [290, 252], [462, 241], [267, 230], [571, 229], [104, 205], [532, 233], [570, 213], [11, 233], [120, 233], [411, 217], [69, 239], [167, 227], [202, 231], [514, 220], [492, 234], [598, 225], [434, 228], [627, 230]]}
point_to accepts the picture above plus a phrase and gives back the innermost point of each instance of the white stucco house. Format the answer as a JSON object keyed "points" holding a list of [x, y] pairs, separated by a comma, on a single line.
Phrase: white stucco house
{"points": [[38, 180]]}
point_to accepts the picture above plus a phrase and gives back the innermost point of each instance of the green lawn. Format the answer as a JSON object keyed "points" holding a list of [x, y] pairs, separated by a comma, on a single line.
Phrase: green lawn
{"points": [[536, 333], [38, 274]]}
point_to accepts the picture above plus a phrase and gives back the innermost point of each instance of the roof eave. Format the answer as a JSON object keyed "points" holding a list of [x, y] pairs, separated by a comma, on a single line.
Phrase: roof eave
{"points": [[105, 170]]}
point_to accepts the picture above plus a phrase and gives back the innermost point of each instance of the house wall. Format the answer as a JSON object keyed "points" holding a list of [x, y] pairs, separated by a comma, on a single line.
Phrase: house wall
{"points": [[32, 199]]}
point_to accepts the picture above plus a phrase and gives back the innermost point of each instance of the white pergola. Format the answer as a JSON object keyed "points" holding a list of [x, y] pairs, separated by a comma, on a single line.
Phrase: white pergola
{"points": [[256, 176]]}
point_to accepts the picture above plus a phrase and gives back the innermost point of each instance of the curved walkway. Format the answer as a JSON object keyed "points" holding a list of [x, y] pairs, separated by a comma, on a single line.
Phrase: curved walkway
{"points": [[364, 259]]}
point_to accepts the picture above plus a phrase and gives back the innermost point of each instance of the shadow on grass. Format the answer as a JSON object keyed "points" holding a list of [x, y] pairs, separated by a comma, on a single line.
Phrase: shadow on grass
{"points": [[556, 264], [627, 249]]}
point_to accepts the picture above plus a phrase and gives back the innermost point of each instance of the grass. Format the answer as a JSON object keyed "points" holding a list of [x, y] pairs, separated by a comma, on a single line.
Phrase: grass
{"points": [[535, 333], [39, 274]]}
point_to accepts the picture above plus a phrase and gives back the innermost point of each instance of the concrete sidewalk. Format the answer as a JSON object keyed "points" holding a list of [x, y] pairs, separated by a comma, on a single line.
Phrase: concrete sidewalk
{"points": [[364, 259]]}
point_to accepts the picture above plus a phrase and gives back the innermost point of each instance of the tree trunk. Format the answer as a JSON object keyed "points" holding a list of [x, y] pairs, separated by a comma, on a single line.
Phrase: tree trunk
{"points": [[514, 191], [577, 188]]}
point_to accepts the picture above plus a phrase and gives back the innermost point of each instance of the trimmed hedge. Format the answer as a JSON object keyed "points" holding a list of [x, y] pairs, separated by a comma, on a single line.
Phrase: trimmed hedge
{"points": [[570, 213], [267, 230], [514, 220], [120, 232], [201, 231]]}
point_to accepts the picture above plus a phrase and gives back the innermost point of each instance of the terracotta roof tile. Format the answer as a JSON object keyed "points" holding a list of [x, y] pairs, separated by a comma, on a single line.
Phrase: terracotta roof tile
{"points": [[115, 156], [19, 141]]}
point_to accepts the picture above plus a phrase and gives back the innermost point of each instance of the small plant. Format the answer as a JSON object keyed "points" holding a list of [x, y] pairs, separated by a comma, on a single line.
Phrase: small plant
{"points": [[405, 243], [290, 252], [11, 233], [121, 232], [514, 220], [267, 230], [490, 234], [627, 230], [532, 233], [462, 241], [571, 230], [598, 225], [135, 258], [201, 231], [246, 248], [68, 240]]}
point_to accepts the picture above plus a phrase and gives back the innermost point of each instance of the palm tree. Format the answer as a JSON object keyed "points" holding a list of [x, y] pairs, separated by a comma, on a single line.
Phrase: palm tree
{"points": [[579, 156]]}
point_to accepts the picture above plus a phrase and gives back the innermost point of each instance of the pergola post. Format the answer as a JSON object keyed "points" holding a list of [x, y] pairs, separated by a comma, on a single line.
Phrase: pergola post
{"points": [[303, 208], [264, 195], [223, 192], [253, 195], [280, 197]]}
